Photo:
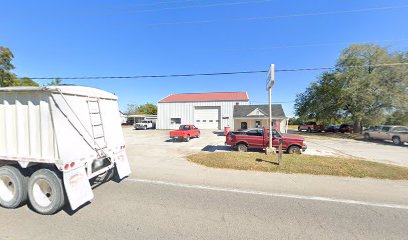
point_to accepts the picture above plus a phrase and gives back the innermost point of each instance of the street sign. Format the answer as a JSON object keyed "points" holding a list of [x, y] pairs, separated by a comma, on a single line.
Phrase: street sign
{"points": [[270, 77]]}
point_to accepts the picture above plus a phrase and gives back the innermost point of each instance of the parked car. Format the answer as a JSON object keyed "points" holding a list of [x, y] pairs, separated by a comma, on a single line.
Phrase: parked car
{"points": [[310, 127], [185, 133], [332, 128], [346, 128], [145, 124], [258, 138], [397, 134]]}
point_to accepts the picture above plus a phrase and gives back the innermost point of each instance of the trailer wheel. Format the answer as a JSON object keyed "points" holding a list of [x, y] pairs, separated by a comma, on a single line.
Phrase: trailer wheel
{"points": [[46, 192], [13, 187]]}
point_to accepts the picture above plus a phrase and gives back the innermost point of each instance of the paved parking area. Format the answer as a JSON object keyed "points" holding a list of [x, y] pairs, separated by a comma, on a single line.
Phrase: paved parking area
{"points": [[378, 151], [156, 145]]}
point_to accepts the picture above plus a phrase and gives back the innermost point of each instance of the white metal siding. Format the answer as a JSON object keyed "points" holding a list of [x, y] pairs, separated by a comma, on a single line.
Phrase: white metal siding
{"points": [[185, 111], [26, 129], [34, 128]]}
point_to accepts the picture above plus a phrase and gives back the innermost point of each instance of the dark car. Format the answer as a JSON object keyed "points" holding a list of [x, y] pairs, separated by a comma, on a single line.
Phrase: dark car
{"points": [[332, 128], [346, 128]]}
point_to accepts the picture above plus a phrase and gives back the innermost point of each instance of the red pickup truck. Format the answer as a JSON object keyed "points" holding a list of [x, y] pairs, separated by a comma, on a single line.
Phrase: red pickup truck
{"points": [[310, 127], [185, 133], [259, 138]]}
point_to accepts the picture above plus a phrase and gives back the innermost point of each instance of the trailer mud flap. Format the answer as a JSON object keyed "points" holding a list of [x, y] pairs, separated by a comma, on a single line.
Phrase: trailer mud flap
{"points": [[77, 187], [122, 165]]}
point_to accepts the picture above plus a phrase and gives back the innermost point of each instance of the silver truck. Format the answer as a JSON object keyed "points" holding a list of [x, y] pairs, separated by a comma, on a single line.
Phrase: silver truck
{"points": [[397, 134]]}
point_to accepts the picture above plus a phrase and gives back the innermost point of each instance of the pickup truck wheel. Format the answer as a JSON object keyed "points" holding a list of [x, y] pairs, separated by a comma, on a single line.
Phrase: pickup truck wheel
{"points": [[294, 150], [145, 127], [46, 192], [13, 187], [396, 140], [198, 135], [309, 130], [299, 129], [367, 136], [187, 139], [242, 147]]}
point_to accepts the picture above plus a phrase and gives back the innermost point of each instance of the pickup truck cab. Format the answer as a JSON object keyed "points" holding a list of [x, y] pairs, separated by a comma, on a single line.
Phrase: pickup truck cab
{"points": [[185, 133], [310, 127], [258, 138], [397, 134]]}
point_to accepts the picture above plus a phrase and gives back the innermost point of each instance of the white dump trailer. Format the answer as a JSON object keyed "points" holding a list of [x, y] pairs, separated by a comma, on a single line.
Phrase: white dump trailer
{"points": [[53, 140]]}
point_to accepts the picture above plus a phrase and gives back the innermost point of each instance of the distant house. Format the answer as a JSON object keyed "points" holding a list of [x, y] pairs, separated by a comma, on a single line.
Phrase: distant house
{"points": [[253, 116], [213, 110]]}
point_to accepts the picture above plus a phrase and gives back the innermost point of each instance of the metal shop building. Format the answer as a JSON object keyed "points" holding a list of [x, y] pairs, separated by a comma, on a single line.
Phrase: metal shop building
{"points": [[213, 110]]}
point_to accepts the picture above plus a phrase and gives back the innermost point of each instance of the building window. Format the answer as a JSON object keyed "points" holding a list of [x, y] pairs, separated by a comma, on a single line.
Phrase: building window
{"points": [[204, 120], [175, 120], [211, 121], [197, 120], [244, 125], [258, 124]]}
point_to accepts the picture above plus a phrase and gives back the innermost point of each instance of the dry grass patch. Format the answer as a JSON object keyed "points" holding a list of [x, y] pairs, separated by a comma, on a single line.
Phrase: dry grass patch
{"points": [[306, 164]]}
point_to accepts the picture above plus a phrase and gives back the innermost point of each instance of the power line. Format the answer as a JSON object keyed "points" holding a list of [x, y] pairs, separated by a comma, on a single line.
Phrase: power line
{"points": [[213, 73], [197, 6], [310, 45], [163, 3], [282, 16]]}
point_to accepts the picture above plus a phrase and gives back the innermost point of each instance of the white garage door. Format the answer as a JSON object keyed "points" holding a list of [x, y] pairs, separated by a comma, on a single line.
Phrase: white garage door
{"points": [[206, 118]]}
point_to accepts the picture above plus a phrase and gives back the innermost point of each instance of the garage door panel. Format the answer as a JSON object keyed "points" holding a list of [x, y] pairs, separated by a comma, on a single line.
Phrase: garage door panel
{"points": [[206, 118]]}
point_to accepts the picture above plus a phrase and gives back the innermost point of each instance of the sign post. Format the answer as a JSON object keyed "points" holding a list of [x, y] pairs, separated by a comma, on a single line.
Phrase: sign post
{"points": [[270, 81]]}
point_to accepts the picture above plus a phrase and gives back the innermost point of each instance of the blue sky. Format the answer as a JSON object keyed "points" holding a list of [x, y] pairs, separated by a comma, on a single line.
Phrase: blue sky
{"points": [[111, 38]]}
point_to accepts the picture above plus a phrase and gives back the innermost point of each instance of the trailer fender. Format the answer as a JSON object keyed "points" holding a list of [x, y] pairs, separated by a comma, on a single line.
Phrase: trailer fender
{"points": [[122, 165], [77, 187]]}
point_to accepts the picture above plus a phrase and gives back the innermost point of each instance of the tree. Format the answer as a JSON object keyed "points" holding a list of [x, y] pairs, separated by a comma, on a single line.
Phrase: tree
{"points": [[25, 81], [147, 109], [131, 109], [7, 78], [55, 82], [361, 88]]}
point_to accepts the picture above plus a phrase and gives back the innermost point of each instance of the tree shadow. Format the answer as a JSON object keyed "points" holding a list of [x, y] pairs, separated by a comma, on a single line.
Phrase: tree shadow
{"points": [[261, 160], [214, 148]]}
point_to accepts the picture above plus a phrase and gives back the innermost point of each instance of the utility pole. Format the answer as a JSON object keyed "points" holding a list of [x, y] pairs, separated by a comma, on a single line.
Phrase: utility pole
{"points": [[270, 81]]}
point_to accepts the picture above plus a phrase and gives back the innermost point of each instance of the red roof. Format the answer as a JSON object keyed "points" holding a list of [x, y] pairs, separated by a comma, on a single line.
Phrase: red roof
{"points": [[206, 97]]}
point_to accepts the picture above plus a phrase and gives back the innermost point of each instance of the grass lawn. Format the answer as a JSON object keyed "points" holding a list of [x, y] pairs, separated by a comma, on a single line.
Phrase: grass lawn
{"points": [[300, 163]]}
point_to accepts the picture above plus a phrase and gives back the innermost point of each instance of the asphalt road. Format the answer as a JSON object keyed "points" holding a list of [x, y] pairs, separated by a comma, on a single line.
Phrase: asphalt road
{"points": [[137, 210], [167, 197]]}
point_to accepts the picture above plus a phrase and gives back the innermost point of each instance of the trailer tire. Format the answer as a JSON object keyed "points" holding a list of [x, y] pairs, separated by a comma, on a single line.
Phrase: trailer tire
{"points": [[46, 192], [13, 187]]}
